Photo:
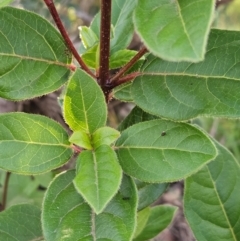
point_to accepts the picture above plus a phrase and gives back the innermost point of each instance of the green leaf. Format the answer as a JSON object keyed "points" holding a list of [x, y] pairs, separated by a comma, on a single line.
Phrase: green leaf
{"points": [[99, 177], [91, 57], [142, 218], [122, 12], [81, 139], [33, 55], [66, 214], [88, 37], [149, 193], [211, 200], [84, 104], [32, 144], [21, 223], [123, 92], [160, 217], [175, 30], [163, 151], [104, 136], [121, 57], [4, 3], [182, 91], [137, 115]]}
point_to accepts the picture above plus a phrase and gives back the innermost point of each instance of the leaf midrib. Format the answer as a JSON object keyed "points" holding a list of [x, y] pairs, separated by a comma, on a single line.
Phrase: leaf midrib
{"points": [[159, 149], [221, 205], [187, 74], [185, 30], [35, 143], [37, 59], [95, 165]]}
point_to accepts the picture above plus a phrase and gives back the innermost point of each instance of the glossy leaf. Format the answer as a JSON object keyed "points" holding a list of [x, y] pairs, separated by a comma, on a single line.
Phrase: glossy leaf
{"points": [[34, 58], [181, 91], [99, 177], [175, 30], [137, 115], [163, 151], [84, 103], [160, 217], [21, 222], [104, 136], [32, 144], [211, 200], [81, 139], [122, 12], [149, 193], [66, 214]]}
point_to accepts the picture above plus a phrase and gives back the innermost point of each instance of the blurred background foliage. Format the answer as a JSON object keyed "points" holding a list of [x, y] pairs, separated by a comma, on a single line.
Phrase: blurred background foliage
{"points": [[75, 13]]}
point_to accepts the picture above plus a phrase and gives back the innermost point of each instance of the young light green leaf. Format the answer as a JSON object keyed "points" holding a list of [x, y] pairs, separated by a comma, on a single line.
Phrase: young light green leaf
{"points": [[211, 200], [142, 218], [99, 177], [122, 12], [21, 222], [81, 139], [137, 115], [149, 193], [163, 151], [66, 214], [32, 144], [35, 62], [88, 37], [84, 104], [104, 136], [120, 58], [160, 217], [181, 91], [175, 30], [91, 57]]}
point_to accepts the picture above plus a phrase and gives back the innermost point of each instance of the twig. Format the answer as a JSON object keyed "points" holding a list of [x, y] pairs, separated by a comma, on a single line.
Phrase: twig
{"points": [[105, 42], [126, 67], [57, 20], [125, 79], [5, 189]]}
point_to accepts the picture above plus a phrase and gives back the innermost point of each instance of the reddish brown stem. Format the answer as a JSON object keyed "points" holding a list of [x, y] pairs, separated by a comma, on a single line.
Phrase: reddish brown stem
{"points": [[5, 189], [76, 149], [126, 79], [126, 67], [105, 43], [57, 20]]}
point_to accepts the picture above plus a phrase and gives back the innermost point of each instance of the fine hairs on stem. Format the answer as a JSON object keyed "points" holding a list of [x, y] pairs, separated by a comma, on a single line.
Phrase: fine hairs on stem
{"points": [[105, 42]]}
